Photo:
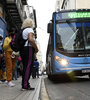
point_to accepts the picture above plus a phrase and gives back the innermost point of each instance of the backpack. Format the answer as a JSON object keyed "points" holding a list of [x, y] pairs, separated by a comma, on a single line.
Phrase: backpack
{"points": [[17, 43]]}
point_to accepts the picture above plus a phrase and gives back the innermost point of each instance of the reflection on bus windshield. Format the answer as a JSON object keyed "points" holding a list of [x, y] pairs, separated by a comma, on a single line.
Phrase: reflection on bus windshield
{"points": [[69, 36]]}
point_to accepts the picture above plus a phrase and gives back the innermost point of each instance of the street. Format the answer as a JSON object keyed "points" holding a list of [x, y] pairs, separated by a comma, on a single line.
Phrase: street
{"points": [[68, 90], [46, 89]]}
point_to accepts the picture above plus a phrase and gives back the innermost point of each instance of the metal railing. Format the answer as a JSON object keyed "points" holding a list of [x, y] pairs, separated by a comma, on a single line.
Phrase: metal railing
{"points": [[18, 5]]}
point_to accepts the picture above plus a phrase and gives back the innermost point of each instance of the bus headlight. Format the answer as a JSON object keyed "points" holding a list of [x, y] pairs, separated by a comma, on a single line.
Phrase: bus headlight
{"points": [[61, 61]]}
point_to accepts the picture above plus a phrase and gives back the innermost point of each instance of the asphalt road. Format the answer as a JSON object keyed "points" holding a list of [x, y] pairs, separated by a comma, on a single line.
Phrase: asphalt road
{"points": [[68, 90]]}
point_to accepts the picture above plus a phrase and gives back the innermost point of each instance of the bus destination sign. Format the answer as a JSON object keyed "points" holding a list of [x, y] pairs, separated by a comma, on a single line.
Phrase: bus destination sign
{"points": [[71, 15]]}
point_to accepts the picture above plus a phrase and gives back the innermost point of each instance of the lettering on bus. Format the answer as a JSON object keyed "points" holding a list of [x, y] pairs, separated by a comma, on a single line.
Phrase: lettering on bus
{"points": [[79, 15], [71, 15]]}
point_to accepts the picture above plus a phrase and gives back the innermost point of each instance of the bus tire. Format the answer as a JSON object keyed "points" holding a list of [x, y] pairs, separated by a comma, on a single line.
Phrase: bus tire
{"points": [[50, 77]]}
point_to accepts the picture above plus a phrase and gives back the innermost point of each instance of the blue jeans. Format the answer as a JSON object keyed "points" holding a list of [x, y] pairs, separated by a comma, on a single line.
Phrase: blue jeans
{"points": [[15, 72]]}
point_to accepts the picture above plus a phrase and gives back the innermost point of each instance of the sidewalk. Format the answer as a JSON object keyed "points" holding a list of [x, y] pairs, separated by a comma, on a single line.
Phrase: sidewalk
{"points": [[15, 93]]}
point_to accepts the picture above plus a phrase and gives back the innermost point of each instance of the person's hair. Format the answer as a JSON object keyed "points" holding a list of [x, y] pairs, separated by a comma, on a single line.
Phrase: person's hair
{"points": [[28, 23], [11, 31]]}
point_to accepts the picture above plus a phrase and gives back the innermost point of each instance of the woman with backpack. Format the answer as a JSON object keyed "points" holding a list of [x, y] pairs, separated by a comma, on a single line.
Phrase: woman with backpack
{"points": [[27, 53]]}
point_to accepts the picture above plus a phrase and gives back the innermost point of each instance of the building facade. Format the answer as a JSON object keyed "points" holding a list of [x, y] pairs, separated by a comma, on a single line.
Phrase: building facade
{"points": [[74, 4], [13, 12]]}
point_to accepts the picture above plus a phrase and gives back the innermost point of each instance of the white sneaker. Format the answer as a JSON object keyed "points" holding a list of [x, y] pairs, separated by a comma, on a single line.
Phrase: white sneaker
{"points": [[11, 84], [0, 82], [5, 82]]}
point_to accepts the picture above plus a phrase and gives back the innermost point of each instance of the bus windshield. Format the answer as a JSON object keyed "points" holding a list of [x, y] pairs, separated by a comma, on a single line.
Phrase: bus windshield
{"points": [[72, 37]]}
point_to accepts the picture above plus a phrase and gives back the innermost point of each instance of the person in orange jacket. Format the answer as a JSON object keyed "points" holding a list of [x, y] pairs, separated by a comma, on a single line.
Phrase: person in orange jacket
{"points": [[10, 58]]}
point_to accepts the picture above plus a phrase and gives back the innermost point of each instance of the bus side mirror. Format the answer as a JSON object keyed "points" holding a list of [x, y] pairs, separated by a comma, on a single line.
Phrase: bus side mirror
{"points": [[49, 28]]}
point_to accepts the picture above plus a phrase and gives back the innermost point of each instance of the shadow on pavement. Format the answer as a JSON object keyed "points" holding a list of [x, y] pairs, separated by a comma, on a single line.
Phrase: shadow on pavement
{"points": [[64, 79]]}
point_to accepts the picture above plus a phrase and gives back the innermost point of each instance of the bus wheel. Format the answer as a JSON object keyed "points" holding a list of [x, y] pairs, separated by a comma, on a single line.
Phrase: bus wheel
{"points": [[50, 77]]}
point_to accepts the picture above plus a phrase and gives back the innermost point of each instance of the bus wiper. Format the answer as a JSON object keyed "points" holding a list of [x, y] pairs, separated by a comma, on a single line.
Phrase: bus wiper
{"points": [[74, 30], [71, 26], [71, 37]]}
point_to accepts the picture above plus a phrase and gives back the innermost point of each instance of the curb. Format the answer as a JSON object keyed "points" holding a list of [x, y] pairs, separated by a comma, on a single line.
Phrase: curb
{"points": [[43, 93], [36, 93]]}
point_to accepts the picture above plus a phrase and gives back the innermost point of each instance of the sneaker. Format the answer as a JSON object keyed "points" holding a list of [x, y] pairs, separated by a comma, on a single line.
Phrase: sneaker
{"points": [[23, 89], [29, 88], [11, 84], [4, 81], [0, 82]]}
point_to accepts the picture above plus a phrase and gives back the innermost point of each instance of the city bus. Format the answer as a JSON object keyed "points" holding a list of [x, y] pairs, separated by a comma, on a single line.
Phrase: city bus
{"points": [[68, 49]]}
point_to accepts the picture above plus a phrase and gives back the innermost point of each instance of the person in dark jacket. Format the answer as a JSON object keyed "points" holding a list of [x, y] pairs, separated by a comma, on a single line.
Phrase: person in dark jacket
{"points": [[36, 64]]}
